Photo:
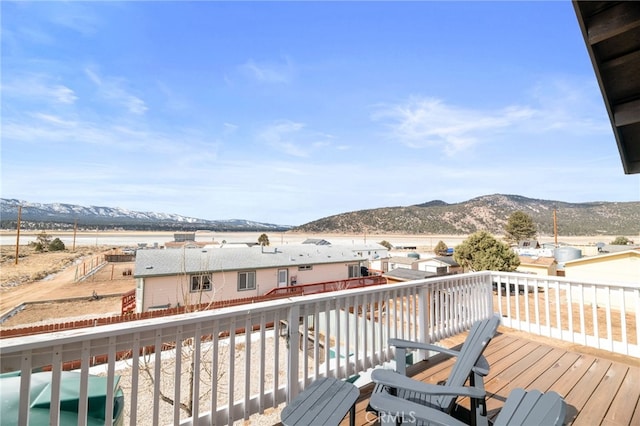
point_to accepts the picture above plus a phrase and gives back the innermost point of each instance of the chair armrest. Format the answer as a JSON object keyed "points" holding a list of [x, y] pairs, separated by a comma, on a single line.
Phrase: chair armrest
{"points": [[481, 367], [409, 344], [395, 380], [392, 408]]}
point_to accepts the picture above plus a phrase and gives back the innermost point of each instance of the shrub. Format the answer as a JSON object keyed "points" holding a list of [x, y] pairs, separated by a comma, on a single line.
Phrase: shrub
{"points": [[56, 245]]}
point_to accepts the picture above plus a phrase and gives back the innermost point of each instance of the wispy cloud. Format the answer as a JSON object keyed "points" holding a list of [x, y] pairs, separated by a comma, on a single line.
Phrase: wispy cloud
{"points": [[77, 17], [285, 137], [113, 89], [552, 106], [40, 88], [429, 122], [269, 72]]}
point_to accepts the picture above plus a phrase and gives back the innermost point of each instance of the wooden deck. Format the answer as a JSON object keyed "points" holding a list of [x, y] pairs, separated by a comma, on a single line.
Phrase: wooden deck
{"points": [[598, 388]]}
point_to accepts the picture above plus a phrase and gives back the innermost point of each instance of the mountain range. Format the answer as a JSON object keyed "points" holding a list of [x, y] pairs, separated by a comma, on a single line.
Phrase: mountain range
{"points": [[488, 213], [65, 216]]}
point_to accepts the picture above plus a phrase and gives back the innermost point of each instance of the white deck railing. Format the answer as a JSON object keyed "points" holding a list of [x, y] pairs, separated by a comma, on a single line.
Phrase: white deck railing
{"points": [[595, 314], [259, 356]]}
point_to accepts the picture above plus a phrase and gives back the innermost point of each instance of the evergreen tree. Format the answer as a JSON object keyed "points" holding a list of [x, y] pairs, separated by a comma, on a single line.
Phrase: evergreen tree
{"points": [[482, 252], [263, 240], [520, 227], [620, 241], [440, 249], [386, 244], [42, 241]]}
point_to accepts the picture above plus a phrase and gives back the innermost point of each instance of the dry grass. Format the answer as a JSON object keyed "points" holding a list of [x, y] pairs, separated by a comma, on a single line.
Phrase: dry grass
{"points": [[33, 266], [47, 279]]}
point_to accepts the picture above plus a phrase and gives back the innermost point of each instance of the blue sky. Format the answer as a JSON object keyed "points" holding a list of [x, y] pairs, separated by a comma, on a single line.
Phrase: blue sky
{"points": [[287, 112]]}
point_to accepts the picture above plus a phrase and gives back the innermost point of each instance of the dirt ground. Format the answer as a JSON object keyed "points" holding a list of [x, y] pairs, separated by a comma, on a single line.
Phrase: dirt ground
{"points": [[47, 277]]}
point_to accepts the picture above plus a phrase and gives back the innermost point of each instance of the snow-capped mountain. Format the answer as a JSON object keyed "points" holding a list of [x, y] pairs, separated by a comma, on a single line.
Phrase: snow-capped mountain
{"points": [[61, 213]]}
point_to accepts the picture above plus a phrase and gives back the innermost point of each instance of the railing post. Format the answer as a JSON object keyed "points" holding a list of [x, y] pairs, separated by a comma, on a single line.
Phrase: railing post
{"points": [[423, 319], [293, 343]]}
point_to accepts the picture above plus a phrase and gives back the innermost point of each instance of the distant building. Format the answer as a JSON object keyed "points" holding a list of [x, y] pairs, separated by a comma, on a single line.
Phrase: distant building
{"points": [[545, 266], [620, 266], [435, 265], [167, 278]]}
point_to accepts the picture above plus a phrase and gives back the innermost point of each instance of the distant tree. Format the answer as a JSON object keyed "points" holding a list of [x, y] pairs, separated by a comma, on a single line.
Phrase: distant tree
{"points": [[482, 252], [263, 240], [620, 241], [42, 241], [56, 245], [441, 248], [520, 227], [386, 244]]}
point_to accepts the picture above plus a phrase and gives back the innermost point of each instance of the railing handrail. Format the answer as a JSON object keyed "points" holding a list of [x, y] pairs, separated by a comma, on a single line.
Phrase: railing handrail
{"points": [[568, 280], [17, 344]]}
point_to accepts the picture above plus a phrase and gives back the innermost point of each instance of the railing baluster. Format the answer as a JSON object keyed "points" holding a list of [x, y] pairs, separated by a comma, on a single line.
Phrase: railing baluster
{"points": [[215, 349], [262, 369], [156, 375], [196, 361], [135, 375], [25, 386], [56, 378], [327, 342], [583, 328], [177, 378], [247, 366], [277, 318], [232, 369], [607, 289], [111, 367], [83, 400], [350, 369], [293, 359], [594, 314], [569, 309], [623, 320]]}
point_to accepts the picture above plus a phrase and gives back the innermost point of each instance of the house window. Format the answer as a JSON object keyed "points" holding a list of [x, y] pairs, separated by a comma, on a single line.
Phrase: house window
{"points": [[305, 267], [354, 271], [200, 283], [246, 280]]}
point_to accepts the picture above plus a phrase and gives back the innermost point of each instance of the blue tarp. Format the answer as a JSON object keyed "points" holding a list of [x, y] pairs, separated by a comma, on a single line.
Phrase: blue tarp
{"points": [[40, 397]]}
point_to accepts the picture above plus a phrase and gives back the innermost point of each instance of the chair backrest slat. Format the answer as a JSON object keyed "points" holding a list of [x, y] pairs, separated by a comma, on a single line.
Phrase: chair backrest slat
{"points": [[476, 342]]}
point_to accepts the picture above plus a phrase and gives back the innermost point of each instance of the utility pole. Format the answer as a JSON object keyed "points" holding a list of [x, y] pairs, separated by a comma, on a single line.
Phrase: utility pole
{"points": [[18, 234], [75, 229], [555, 227]]}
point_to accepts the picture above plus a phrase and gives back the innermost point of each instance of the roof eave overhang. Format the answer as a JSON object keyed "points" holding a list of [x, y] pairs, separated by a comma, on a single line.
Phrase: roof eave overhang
{"points": [[610, 37]]}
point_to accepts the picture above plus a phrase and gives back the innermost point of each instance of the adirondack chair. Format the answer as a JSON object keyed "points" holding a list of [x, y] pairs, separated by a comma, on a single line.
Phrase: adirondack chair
{"points": [[469, 364], [522, 408]]}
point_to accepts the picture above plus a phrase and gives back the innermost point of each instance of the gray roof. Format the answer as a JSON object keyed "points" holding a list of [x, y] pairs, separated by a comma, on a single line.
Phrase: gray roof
{"points": [[408, 274], [159, 262], [447, 259], [403, 260], [316, 241]]}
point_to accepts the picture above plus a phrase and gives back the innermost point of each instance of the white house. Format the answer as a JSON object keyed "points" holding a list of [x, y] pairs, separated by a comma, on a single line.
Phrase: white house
{"points": [[168, 278], [621, 266]]}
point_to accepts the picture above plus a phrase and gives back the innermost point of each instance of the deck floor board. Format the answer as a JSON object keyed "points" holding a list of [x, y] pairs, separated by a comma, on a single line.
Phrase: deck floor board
{"points": [[598, 390]]}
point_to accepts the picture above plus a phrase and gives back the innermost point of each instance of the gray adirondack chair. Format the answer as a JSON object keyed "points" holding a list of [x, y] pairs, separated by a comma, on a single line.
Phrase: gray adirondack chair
{"points": [[469, 364], [522, 408]]}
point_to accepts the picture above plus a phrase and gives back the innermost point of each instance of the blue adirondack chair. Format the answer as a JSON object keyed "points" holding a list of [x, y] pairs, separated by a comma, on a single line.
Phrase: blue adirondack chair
{"points": [[522, 408], [469, 365]]}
